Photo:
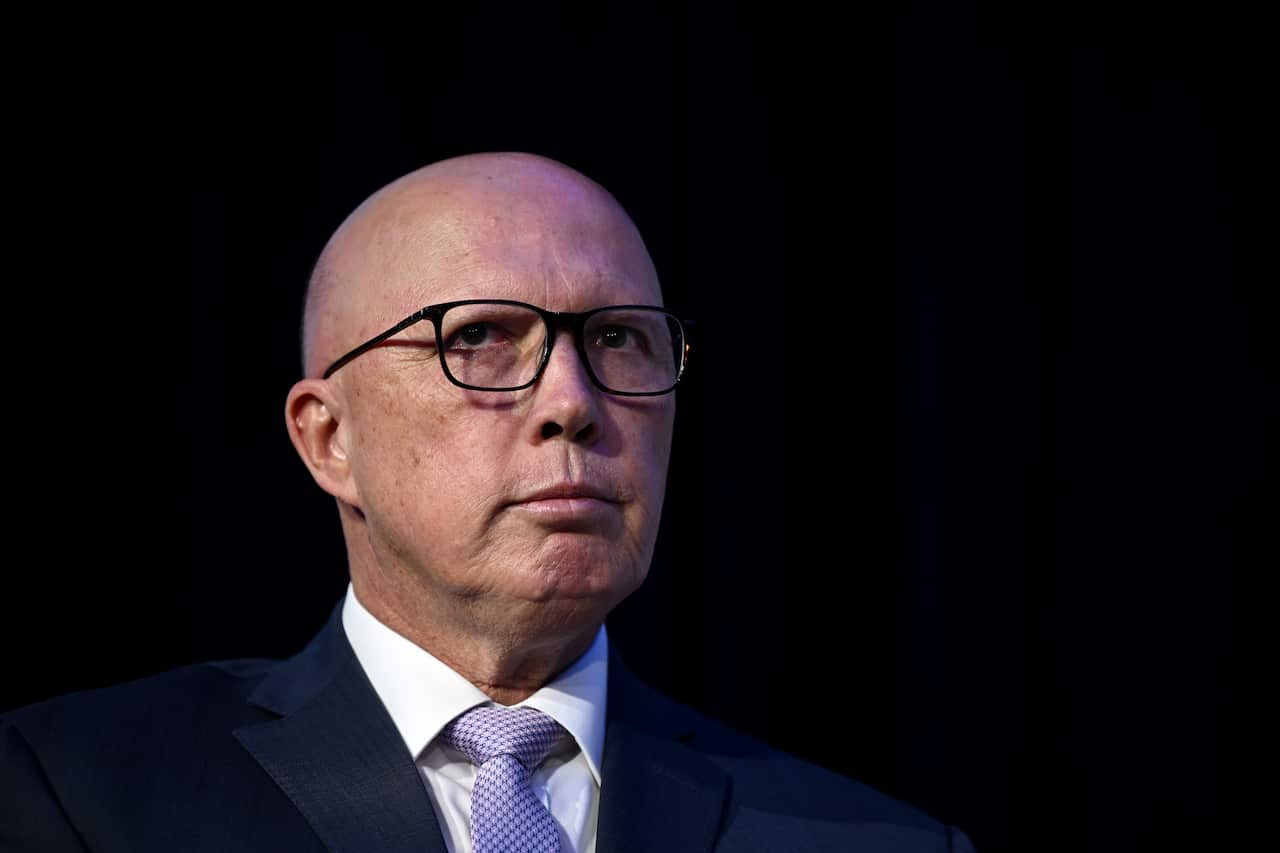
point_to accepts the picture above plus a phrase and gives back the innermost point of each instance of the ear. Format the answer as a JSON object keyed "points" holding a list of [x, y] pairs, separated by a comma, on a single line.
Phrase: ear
{"points": [[313, 414]]}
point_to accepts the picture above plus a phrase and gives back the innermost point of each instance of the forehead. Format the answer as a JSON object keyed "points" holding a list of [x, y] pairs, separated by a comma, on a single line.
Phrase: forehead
{"points": [[561, 250]]}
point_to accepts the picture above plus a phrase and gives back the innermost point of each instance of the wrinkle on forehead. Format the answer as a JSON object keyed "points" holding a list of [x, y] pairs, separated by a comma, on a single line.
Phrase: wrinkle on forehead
{"points": [[465, 217]]}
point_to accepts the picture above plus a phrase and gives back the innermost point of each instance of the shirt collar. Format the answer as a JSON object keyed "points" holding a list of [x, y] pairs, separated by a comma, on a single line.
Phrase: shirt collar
{"points": [[422, 694]]}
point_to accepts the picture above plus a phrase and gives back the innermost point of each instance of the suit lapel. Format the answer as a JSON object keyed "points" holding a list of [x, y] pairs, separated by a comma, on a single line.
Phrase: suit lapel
{"points": [[337, 755], [656, 794]]}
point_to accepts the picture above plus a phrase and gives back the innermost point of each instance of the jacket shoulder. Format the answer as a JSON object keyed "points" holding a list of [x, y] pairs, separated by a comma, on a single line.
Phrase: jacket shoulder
{"points": [[127, 732], [769, 784], [147, 764], [195, 692]]}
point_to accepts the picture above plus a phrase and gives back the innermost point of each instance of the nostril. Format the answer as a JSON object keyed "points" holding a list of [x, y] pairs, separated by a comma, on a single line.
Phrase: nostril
{"points": [[585, 433], [551, 429]]}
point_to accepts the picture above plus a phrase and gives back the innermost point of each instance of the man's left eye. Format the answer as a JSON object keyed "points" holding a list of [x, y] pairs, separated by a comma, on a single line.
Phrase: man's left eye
{"points": [[616, 337], [473, 335]]}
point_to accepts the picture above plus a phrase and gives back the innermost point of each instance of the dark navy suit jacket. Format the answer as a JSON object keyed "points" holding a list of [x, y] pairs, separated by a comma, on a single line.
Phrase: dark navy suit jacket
{"points": [[300, 755]]}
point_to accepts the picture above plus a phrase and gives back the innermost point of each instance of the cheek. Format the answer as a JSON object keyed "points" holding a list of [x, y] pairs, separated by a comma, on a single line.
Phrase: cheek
{"points": [[649, 441], [418, 463], [655, 437], [467, 474]]}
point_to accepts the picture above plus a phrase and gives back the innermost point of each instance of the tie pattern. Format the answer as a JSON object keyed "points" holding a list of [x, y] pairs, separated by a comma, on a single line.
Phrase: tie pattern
{"points": [[507, 744]]}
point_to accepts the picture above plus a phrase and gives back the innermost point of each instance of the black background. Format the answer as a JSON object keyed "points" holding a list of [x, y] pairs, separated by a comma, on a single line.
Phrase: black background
{"points": [[966, 495]]}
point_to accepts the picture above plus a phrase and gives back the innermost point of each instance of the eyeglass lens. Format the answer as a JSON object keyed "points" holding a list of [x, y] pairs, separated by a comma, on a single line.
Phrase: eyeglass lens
{"points": [[501, 346]]}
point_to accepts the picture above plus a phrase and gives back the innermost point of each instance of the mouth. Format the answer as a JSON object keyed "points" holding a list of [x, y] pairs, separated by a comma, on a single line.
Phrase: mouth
{"points": [[567, 491], [568, 503]]}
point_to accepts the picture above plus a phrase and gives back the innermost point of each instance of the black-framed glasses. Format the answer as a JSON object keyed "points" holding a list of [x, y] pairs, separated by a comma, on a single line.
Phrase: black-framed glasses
{"points": [[504, 345]]}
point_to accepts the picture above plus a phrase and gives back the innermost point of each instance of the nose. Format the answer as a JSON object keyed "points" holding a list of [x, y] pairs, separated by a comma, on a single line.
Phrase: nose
{"points": [[565, 402]]}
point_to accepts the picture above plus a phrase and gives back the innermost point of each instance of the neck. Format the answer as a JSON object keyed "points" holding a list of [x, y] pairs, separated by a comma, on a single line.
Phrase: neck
{"points": [[508, 660]]}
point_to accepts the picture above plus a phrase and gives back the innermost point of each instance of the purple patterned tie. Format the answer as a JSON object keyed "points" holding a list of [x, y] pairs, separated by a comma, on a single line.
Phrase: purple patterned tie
{"points": [[506, 744]]}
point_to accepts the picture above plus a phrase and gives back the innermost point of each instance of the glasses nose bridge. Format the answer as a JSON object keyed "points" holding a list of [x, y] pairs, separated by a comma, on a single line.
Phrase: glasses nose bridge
{"points": [[557, 320], [574, 323]]}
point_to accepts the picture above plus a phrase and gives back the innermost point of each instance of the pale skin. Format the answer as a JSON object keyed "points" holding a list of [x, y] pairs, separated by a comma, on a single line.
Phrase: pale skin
{"points": [[434, 482]]}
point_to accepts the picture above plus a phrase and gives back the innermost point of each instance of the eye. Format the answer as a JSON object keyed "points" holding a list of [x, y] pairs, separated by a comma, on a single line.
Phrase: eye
{"points": [[617, 337], [472, 335]]}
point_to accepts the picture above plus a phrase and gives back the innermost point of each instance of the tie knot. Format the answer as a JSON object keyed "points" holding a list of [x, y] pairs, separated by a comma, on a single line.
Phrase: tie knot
{"points": [[486, 732]]}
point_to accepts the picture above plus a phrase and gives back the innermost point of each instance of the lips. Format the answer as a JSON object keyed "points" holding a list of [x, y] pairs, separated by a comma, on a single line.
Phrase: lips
{"points": [[570, 507], [567, 491]]}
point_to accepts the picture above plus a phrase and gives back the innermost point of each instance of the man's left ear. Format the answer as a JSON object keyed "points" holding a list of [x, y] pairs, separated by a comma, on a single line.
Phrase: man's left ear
{"points": [[313, 414]]}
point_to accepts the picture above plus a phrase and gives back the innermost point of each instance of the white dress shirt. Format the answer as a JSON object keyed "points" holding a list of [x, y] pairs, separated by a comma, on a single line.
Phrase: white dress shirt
{"points": [[422, 694]]}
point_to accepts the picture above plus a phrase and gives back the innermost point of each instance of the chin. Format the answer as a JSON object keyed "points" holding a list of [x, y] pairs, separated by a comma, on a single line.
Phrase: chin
{"points": [[580, 584], [567, 575], [556, 621]]}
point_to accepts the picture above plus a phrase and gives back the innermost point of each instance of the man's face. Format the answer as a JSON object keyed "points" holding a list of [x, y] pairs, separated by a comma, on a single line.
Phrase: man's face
{"points": [[446, 476]]}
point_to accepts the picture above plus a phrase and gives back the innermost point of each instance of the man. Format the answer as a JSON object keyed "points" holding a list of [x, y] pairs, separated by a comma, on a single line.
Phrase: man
{"points": [[488, 397]]}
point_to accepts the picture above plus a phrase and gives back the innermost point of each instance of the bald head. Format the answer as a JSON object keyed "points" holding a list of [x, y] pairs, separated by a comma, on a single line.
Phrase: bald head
{"points": [[461, 213]]}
